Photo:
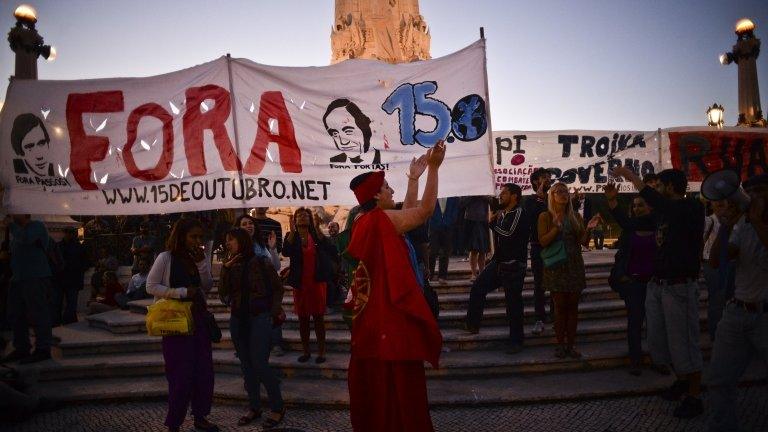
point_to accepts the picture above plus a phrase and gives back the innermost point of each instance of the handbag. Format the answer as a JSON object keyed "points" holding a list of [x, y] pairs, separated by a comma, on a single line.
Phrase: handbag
{"points": [[555, 254], [170, 317]]}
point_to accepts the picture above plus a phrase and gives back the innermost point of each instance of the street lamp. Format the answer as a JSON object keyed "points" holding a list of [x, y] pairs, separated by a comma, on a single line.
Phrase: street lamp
{"points": [[27, 43], [744, 54], [715, 115]]}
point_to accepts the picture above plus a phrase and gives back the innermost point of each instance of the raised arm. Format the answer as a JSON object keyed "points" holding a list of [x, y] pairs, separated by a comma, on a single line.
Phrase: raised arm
{"points": [[650, 195], [408, 219], [418, 165]]}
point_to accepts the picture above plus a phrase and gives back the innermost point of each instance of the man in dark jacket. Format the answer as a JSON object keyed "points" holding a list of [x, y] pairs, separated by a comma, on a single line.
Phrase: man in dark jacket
{"points": [[511, 228], [440, 230], [541, 180], [75, 262], [672, 303]]}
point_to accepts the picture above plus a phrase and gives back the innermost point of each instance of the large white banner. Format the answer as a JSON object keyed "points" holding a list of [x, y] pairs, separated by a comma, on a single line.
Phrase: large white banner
{"points": [[233, 133], [579, 158]]}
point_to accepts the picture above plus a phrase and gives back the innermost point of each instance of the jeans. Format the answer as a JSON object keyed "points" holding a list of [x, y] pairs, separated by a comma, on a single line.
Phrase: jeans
{"points": [[252, 342], [489, 280], [740, 335], [440, 245], [716, 297], [633, 295], [537, 268], [276, 336], [672, 315], [28, 298]]}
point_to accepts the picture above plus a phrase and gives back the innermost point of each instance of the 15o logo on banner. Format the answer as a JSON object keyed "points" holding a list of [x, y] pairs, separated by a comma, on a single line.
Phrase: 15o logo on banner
{"points": [[467, 121]]}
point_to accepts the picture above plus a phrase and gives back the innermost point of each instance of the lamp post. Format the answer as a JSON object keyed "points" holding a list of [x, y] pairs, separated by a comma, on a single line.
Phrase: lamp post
{"points": [[744, 54], [715, 115], [27, 43]]}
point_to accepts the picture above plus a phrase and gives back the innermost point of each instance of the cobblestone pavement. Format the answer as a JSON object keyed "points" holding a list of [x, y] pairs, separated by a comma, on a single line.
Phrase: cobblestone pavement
{"points": [[647, 413]]}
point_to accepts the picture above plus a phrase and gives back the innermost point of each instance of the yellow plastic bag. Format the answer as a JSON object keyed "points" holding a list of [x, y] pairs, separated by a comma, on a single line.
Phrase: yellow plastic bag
{"points": [[168, 317]]}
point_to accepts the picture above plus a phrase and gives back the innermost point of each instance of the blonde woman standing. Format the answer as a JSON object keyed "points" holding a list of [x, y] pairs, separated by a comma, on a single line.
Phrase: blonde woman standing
{"points": [[562, 233]]}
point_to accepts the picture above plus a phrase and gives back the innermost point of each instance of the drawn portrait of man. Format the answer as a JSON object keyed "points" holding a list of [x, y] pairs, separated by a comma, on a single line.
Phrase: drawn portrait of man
{"points": [[351, 132], [31, 143]]}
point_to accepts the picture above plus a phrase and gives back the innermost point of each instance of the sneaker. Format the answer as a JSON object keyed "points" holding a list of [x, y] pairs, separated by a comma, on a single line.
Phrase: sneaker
{"points": [[675, 391], [15, 355], [689, 408], [278, 351], [35, 357], [538, 328], [635, 368]]}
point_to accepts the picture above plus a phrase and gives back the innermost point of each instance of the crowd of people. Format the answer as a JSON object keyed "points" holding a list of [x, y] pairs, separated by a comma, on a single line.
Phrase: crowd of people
{"points": [[667, 241]]}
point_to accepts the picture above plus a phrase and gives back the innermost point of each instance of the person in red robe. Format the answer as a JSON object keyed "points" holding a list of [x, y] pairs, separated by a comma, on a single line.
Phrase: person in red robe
{"points": [[393, 329]]}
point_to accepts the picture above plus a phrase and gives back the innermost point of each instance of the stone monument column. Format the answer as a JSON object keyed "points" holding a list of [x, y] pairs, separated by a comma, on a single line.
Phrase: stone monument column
{"points": [[387, 30], [744, 54]]}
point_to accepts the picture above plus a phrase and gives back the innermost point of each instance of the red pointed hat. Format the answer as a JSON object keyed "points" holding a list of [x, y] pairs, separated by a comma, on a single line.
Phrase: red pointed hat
{"points": [[368, 188]]}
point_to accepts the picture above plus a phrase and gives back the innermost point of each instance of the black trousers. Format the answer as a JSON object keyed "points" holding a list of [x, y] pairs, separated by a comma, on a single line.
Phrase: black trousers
{"points": [[440, 247], [489, 280], [537, 268], [634, 299]]}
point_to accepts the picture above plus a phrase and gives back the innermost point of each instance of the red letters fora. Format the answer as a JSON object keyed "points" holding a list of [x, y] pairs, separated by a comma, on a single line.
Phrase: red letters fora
{"points": [[87, 149]]}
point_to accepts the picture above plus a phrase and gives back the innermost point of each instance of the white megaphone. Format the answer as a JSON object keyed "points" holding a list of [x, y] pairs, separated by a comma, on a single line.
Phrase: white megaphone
{"points": [[725, 185]]}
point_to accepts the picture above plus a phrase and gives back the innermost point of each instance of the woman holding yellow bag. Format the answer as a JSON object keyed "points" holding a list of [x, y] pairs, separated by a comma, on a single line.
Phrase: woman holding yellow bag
{"points": [[183, 272]]}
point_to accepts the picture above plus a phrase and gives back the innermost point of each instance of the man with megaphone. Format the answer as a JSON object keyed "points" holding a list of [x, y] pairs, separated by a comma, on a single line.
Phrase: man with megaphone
{"points": [[743, 328], [672, 298]]}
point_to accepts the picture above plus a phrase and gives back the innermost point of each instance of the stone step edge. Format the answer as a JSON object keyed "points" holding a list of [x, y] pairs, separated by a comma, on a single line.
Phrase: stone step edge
{"points": [[593, 306], [334, 393], [534, 360]]}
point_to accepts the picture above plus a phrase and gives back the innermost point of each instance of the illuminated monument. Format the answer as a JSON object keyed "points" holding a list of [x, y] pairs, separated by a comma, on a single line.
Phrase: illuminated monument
{"points": [[390, 30]]}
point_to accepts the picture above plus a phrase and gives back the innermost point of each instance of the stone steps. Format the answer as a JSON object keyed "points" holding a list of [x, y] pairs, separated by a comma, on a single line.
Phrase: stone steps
{"points": [[451, 299], [333, 394], [81, 339], [457, 364], [118, 321], [110, 357]]}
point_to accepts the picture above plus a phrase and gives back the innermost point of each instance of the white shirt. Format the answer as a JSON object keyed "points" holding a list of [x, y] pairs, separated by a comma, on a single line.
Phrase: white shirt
{"points": [[159, 277]]}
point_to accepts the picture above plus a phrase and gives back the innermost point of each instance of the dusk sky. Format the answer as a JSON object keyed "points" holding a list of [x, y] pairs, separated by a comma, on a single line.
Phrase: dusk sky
{"points": [[636, 65]]}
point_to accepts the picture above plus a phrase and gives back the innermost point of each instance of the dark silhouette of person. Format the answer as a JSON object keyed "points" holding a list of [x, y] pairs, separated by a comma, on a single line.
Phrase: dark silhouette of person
{"points": [[350, 129]]}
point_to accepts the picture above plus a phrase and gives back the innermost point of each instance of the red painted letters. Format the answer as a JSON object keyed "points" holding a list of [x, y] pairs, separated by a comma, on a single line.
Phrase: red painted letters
{"points": [[195, 122], [86, 149], [163, 165], [272, 106]]}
